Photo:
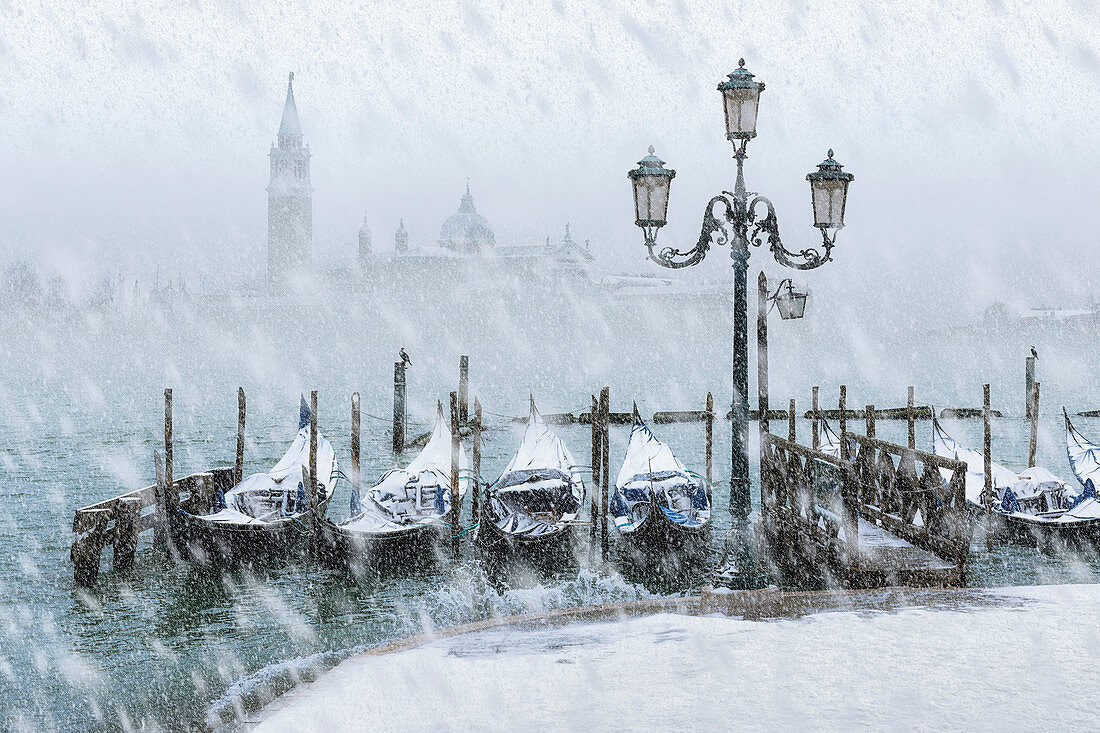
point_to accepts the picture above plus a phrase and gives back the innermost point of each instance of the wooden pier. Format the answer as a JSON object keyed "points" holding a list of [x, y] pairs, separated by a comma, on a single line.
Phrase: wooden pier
{"points": [[886, 517]]}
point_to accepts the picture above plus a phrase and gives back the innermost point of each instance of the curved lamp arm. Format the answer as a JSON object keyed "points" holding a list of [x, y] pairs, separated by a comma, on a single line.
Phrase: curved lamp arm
{"points": [[767, 230], [740, 216], [674, 258]]}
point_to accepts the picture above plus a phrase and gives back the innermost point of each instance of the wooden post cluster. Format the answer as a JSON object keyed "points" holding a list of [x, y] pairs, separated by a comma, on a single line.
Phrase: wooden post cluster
{"points": [[844, 422], [355, 417], [463, 389], [987, 455], [762, 352], [1033, 443], [475, 507], [398, 406], [710, 446], [1029, 385], [314, 510], [605, 463], [869, 416], [816, 411], [238, 467], [909, 419], [597, 474], [456, 507]]}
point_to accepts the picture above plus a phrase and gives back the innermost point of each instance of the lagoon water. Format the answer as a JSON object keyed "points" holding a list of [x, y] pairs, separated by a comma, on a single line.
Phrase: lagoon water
{"points": [[165, 646]]}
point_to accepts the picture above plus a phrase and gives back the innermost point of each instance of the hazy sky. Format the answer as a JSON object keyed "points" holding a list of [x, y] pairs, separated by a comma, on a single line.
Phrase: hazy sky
{"points": [[136, 133]]}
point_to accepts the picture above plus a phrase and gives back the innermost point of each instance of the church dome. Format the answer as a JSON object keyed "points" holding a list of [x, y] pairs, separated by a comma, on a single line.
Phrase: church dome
{"points": [[466, 231]]}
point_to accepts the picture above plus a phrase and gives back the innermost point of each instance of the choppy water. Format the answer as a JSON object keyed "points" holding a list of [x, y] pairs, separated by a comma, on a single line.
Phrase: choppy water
{"points": [[167, 646]]}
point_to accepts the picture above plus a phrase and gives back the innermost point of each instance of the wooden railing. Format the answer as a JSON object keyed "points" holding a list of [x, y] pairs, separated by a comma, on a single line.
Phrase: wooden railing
{"points": [[903, 490], [812, 491], [119, 521], [813, 503]]}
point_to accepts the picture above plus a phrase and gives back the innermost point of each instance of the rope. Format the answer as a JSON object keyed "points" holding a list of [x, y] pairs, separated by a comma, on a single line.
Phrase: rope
{"points": [[466, 530]]}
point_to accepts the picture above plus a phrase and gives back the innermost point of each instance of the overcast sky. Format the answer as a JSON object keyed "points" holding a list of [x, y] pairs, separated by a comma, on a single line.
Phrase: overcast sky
{"points": [[137, 132]]}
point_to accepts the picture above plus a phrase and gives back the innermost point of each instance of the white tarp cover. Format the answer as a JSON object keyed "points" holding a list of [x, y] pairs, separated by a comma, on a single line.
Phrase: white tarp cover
{"points": [[274, 495], [1084, 456], [418, 493], [946, 446], [540, 449], [651, 466]]}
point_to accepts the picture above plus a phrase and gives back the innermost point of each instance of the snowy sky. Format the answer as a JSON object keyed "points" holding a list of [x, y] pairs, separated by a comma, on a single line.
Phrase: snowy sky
{"points": [[136, 132]]}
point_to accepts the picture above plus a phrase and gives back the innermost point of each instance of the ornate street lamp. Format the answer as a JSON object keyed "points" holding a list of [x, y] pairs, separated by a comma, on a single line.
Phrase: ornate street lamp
{"points": [[736, 219]]}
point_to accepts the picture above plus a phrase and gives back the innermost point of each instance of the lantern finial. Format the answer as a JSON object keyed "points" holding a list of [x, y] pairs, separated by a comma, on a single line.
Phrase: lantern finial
{"points": [[741, 63], [651, 151]]}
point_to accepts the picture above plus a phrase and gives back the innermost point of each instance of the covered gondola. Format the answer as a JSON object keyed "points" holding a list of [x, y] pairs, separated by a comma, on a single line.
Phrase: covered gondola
{"points": [[1034, 505], [266, 514], [530, 509], [658, 505], [406, 512]]}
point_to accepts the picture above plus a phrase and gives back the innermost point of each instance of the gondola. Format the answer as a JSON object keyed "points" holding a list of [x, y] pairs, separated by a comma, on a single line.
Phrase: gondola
{"points": [[406, 513], [653, 477], [266, 514], [1034, 505], [530, 509]]}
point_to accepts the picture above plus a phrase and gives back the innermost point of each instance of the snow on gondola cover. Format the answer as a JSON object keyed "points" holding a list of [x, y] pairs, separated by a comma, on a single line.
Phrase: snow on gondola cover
{"points": [[405, 499], [540, 491], [651, 470], [279, 495]]}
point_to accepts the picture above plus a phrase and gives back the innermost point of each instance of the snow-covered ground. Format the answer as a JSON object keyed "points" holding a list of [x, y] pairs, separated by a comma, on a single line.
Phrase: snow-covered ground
{"points": [[1017, 658]]}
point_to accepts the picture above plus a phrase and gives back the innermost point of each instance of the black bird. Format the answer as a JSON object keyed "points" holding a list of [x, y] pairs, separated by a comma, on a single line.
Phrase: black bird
{"points": [[405, 357], [1034, 353]]}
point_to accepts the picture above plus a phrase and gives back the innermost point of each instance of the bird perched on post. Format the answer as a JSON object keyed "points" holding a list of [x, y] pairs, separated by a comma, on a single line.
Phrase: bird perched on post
{"points": [[405, 357], [1034, 353]]}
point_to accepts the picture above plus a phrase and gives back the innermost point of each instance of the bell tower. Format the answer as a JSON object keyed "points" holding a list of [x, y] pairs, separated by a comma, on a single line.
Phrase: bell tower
{"points": [[289, 199]]}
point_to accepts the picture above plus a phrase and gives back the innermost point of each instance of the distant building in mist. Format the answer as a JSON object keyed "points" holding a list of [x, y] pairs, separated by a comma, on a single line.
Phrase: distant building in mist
{"points": [[467, 231], [289, 199]]}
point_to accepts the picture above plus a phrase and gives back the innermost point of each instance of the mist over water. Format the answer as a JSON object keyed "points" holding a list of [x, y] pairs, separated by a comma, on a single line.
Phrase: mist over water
{"points": [[135, 157]]}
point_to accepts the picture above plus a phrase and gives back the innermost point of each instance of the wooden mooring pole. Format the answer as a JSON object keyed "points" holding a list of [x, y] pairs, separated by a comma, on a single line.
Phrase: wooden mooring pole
{"points": [[1032, 444], [1029, 386], [238, 468], [160, 526], [843, 422], [475, 506], [456, 507], [398, 406], [90, 527], [987, 455], [314, 510], [709, 417], [355, 417], [869, 416], [171, 494], [762, 355], [816, 412], [127, 515], [791, 434], [463, 389], [909, 419], [597, 472], [605, 450]]}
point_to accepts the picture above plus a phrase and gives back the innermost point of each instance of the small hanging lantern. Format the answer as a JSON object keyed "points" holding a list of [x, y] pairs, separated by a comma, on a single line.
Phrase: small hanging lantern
{"points": [[791, 302]]}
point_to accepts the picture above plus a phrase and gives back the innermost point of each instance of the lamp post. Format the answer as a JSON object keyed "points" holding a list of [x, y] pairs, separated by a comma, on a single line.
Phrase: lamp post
{"points": [[736, 219]]}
